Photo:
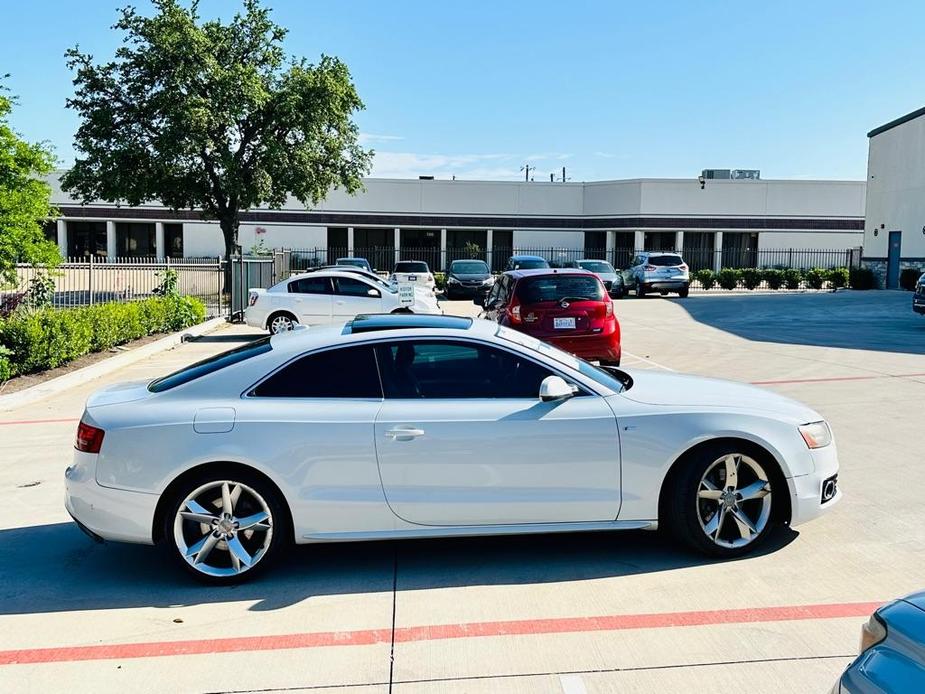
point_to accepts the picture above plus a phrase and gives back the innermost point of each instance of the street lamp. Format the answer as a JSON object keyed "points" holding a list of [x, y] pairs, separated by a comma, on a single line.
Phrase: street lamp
{"points": [[702, 181]]}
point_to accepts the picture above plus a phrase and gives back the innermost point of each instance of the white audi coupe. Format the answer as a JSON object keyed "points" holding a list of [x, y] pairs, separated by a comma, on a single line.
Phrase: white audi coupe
{"points": [[407, 426]]}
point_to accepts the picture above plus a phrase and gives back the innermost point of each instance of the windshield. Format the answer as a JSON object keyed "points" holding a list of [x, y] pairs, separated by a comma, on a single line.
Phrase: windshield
{"points": [[411, 266], [353, 262], [665, 260], [469, 267], [613, 378], [598, 266], [211, 365], [530, 264], [534, 290]]}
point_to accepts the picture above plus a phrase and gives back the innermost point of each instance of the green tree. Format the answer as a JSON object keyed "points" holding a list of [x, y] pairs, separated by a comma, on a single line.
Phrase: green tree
{"points": [[212, 115], [24, 199]]}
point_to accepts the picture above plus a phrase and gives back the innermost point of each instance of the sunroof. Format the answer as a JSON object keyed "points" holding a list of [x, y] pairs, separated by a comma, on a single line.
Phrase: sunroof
{"points": [[365, 323]]}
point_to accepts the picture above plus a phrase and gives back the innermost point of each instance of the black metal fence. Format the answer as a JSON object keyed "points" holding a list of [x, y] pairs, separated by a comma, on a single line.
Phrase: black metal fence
{"points": [[88, 280], [383, 258]]}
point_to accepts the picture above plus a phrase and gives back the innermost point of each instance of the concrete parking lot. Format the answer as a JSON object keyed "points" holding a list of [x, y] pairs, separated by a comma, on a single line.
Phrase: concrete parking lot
{"points": [[602, 612]]}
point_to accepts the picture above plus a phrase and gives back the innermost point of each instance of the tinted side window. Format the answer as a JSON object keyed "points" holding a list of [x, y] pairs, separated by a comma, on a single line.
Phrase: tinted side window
{"points": [[347, 286], [311, 285], [444, 369], [347, 372]]}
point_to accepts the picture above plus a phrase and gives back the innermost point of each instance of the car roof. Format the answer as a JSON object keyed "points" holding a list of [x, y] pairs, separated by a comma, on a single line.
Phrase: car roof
{"points": [[375, 322], [651, 253], [352, 257], [468, 260], [592, 260], [545, 271], [332, 271], [528, 257]]}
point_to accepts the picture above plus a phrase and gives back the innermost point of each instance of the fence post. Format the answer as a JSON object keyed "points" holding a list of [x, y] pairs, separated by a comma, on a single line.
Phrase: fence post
{"points": [[90, 279]]}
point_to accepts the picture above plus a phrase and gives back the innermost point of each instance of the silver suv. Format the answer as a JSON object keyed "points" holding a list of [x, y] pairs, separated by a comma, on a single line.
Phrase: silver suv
{"points": [[661, 272]]}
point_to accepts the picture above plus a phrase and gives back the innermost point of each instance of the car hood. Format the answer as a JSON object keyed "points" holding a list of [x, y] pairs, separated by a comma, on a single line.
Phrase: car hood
{"points": [[476, 276], [681, 390], [119, 393]]}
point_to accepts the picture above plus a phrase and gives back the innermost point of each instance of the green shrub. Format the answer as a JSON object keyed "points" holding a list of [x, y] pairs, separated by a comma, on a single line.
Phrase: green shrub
{"points": [[774, 278], [792, 278], [909, 277], [440, 280], [728, 278], [839, 277], [751, 277], [6, 368], [706, 277], [41, 339], [816, 277], [862, 278]]}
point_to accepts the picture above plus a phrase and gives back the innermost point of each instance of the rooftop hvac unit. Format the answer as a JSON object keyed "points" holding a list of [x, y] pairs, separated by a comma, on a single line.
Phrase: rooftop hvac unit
{"points": [[711, 174], [746, 174]]}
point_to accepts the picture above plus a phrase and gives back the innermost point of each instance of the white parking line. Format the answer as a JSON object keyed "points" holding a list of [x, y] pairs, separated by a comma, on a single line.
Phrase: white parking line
{"points": [[647, 361], [572, 684]]}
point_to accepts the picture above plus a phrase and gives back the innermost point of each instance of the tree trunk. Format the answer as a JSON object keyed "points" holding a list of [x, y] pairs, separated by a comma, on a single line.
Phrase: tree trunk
{"points": [[229, 226]]}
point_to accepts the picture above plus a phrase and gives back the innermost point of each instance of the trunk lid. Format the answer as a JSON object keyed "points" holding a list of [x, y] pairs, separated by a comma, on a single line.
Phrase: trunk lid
{"points": [[119, 393]]}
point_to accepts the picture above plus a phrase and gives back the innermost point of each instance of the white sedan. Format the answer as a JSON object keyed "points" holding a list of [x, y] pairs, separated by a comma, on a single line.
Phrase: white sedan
{"points": [[401, 426], [331, 296]]}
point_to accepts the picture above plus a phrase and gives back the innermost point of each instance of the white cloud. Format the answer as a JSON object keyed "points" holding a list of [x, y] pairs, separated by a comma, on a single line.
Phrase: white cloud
{"points": [[464, 166], [605, 155], [367, 138], [546, 156]]}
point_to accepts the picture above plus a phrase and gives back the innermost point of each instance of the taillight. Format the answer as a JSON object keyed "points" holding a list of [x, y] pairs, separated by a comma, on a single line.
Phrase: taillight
{"points": [[684, 266], [253, 299], [513, 311], [89, 438], [608, 311], [649, 268]]}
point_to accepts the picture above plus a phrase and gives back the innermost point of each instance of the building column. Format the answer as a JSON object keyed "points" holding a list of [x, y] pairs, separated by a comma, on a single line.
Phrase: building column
{"points": [[62, 238], [160, 250], [639, 241], [679, 241], [350, 250], [717, 251], [397, 243], [609, 243], [443, 263], [489, 247], [110, 239]]}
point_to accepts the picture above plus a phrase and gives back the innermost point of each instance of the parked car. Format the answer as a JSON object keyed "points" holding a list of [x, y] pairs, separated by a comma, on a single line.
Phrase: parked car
{"points": [[413, 272], [526, 262], [613, 280], [662, 272], [355, 262], [331, 296], [918, 299], [404, 426], [892, 653], [568, 308], [563, 261], [468, 278]]}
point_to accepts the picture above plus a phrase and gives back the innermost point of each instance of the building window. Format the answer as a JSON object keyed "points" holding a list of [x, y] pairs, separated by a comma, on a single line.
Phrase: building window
{"points": [[86, 238], [173, 240], [50, 229], [135, 240]]}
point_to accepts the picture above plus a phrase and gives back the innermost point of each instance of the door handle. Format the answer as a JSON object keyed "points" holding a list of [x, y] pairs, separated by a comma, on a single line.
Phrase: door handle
{"points": [[340, 303], [400, 434]]}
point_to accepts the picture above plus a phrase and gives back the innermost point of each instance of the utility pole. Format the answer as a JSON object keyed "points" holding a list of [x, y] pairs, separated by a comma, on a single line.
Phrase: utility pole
{"points": [[563, 174], [526, 168]]}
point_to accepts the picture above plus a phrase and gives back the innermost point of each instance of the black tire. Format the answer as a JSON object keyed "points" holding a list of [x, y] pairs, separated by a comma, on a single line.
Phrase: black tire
{"points": [[403, 310], [684, 292], [279, 318], [266, 550], [683, 512], [640, 291]]}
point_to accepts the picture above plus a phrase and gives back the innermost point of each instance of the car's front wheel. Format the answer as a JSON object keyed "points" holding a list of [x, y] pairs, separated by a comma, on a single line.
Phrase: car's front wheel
{"points": [[225, 528], [720, 501]]}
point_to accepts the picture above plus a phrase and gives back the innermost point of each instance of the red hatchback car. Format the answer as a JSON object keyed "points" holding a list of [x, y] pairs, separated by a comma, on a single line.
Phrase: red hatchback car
{"points": [[568, 308]]}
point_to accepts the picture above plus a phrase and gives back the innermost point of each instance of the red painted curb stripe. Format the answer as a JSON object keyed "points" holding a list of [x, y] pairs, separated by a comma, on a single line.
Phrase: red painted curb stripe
{"points": [[437, 632], [835, 378], [36, 421]]}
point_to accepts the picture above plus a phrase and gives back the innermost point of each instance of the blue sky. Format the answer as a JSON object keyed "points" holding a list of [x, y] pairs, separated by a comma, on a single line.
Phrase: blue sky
{"points": [[607, 89]]}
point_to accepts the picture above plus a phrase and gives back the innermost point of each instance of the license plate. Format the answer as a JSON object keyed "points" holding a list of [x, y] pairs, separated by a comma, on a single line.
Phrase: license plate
{"points": [[563, 323], [412, 278], [673, 271]]}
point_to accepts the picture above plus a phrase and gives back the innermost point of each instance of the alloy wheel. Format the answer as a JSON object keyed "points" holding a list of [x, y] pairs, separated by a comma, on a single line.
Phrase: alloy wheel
{"points": [[734, 501], [223, 528], [280, 324]]}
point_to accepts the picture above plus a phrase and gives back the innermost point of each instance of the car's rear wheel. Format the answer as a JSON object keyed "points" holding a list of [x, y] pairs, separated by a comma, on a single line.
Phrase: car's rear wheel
{"points": [[281, 323], [640, 290], [720, 501], [225, 529], [684, 292]]}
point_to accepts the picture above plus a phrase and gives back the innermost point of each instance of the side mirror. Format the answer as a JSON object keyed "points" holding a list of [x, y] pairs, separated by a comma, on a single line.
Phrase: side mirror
{"points": [[555, 388], [374, 293]]}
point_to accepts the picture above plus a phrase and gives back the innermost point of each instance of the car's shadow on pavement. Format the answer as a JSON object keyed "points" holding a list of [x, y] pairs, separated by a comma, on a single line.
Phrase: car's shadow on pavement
{"points": [[55, 568]]}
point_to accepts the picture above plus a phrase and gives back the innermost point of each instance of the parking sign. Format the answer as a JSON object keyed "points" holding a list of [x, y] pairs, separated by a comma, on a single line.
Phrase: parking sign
{"points": [[406, 294]]}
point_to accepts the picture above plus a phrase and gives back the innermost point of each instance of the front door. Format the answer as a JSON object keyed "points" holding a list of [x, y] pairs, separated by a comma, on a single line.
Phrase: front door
{"points": [[892, 261], [352, 297], [310, 298], [463, 439]]}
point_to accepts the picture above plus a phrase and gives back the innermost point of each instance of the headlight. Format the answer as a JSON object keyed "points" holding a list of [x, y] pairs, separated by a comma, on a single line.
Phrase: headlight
{"points": [[452, 280], [816, 434], [872, 633], [488, 282]]}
